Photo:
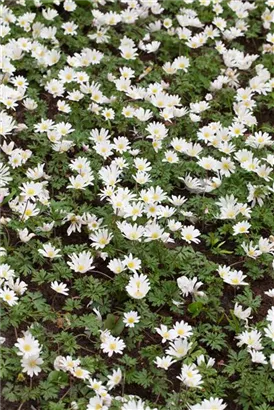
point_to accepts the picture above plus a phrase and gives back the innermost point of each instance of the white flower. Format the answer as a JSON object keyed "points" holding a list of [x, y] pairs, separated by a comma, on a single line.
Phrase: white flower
{"points": [[271, 359], [211, 404], [49, 251], [252, 251], [251, 338], [6, 124], [201, 359], [257, 357], [154, 232], [135, 404], [164, 332], [31, 189], [130, 318], [270, 293], [96, 403], [82, 262], [6, 272], [59, 287], [112, 345], [240, 313], [31, 365], [189, 286], [18, 286], [133, 264], [164, 362], [100, 238], [114, 379], [80, 373], [269, 331], [190, 234], [181, 329], [235, 278], [178, 348], [5, 177], [24, 235], [138, 286], [28, 346], [190, 376], [241, 227], [8, 296]]}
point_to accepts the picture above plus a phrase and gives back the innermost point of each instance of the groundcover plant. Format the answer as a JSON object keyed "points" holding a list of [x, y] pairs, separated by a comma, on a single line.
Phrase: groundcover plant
{"points": [[136, 192]]}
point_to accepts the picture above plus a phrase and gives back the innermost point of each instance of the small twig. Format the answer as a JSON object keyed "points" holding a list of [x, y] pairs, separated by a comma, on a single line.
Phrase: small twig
{"points": [[64, 395], [236, 263], [22, 217], [104, 274], [21, 405], [87, 350], [123, 384]]}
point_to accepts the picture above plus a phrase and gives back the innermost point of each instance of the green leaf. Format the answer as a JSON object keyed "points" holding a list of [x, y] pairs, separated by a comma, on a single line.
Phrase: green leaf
{"points": [[195, 308]]}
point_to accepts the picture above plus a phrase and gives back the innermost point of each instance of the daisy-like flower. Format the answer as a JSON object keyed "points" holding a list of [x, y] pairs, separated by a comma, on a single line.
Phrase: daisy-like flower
{"points": [[95, 385], [241, 227], [240, 313], [5, 177], [271, 360], [235, 278], [178, 348], [131, 318], [138, 286], [114, 379], [80, 182], [100, 238], [96, 403], [154, 232], [8, 296], [76, 222], [82, 262], [211, 404], [250, 338], [112, 345], [190, 286], [257, 357], [80, 373], [181, 329], [7, 124], [131, 232], [59, 287], [251, 250], [269, 331], [164, 362], [190, 376], [31, 365], [108, 113], [68, 364], [270, 293], [164, 332], [49, 251], [28, 346], [24, 235], [6, 272], [31, 189], [132, 263], [116, 266], [70, 28], [135, 404], [190, 234]]}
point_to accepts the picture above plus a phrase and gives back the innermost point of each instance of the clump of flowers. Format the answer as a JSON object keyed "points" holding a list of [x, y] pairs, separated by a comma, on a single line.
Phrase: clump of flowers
{"points": [[136, 194]]}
